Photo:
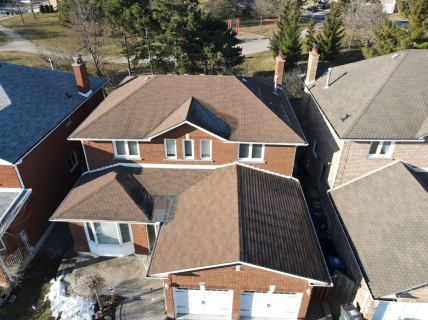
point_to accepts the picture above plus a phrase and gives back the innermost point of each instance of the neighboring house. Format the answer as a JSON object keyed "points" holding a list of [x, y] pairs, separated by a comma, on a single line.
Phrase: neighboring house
{"points": [[196, 171], [389, 6], [38, 110], [358, 118], [388, 234]]}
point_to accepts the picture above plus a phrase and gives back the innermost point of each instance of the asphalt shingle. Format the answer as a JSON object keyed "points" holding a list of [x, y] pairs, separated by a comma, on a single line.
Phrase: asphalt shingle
{"points": [[33, 101]]}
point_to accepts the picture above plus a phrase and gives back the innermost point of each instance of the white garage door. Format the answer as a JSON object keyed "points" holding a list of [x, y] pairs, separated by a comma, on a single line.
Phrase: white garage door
{"points": [[279, 305], [401, 310], [203, 302]]}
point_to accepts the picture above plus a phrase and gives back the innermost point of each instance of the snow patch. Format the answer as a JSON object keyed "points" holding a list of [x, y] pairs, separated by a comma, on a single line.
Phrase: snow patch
{"points": [[72, 307]]}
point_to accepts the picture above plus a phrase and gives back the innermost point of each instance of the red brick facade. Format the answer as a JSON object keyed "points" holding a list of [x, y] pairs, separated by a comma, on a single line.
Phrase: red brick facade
{"points": [[278, 159], [139, 236], [45, 170], [8, 177], [248, 278], [79, 236]]}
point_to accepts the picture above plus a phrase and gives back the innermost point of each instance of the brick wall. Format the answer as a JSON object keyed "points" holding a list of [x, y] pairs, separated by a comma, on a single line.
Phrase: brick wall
{"points": [[354, 162], [79, 236], [278, 159], [8, 177], [139, 235], [45, 171], [249, 278]]}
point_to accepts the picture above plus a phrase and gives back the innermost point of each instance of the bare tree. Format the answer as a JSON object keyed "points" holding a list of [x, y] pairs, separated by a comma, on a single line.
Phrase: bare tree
{"points": [[32, 9], [90, 286], [220, 9], [291, 82], [90, 27], [17, 4], [263, 9], [361, 16]]}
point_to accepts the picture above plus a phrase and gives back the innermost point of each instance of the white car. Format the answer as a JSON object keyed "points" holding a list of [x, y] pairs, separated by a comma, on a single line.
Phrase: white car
{"points": [[35, 10]]}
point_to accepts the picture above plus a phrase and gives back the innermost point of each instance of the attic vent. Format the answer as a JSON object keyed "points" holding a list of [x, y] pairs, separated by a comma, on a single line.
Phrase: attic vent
{"points": [[202, 74], [186, 74], [395, 55], [169, 74], [147, 78]]}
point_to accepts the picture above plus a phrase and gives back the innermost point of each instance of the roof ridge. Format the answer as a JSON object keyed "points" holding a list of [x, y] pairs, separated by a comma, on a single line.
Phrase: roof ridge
{"points": [[164, 119], [374, 96], [115, 105]]}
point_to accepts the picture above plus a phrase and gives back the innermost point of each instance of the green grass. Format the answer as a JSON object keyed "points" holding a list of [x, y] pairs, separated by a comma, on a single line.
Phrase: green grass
{"points": [[4, 39], [25, 59], [251, 25], [48, 33]]}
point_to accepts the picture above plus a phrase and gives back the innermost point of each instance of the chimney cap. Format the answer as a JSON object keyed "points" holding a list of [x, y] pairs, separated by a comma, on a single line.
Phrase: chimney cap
{"points": [[77, 59], [281, 54], [315, 48]]}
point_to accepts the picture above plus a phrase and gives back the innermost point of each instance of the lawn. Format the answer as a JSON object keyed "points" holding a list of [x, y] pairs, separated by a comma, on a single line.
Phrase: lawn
{"points": [[48, 33], [249, 24], [4, 39]]}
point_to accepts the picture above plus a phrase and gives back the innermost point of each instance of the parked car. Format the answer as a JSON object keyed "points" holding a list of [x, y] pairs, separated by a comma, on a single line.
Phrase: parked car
{"points": [[325, 5], [312, 9]]}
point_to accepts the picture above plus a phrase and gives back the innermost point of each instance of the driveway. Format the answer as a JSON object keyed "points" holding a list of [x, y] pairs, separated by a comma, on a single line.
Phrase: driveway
{"points": [[252, 43]]}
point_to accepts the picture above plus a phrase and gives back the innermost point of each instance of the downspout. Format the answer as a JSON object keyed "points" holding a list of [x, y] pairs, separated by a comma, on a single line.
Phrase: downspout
{"points": [[3, 265], [18, 174]]}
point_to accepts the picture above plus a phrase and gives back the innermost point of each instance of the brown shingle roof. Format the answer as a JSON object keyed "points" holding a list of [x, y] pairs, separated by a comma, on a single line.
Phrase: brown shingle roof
{"points": [[241, 214], [124, 194], [385, 97], [138, 106], [385, 217]]}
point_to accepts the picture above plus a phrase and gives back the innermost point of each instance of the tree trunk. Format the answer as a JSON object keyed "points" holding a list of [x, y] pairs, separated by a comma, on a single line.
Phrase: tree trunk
{"points": [[261, 22], [22, 18], [125, 43], [149, 52], [32, 9], [351, 38]]}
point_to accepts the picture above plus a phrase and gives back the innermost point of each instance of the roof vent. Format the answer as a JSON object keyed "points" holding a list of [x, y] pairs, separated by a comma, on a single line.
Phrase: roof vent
{"points": [[202, 74], [169, 74], [328, 78], [146, 78], [186, 74], [245, 80], [395, 55]]}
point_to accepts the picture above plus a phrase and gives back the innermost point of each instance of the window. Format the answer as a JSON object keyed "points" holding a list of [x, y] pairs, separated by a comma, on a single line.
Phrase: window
{"points": [[108, 233], [170, 149], [126, 149], [151, 235], [72, 161], [205, 149], [187, 149], [381, 149], [68, 122], [247, 151], [315, 150]]}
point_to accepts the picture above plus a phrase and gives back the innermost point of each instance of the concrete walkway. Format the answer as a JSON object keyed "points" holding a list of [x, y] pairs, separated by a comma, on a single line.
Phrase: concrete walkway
{"points": [[141, 310], [19, 43]]}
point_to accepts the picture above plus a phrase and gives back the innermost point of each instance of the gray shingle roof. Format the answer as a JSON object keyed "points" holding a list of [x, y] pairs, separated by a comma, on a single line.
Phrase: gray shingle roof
{"points": [[33, 101], [14, 203], [385, 216], [6, 199], [386, 97]]}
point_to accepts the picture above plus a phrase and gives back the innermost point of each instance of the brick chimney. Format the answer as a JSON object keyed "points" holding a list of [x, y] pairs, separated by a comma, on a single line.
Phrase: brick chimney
{"points": [[279, 67], [312, 64], [81, 75]]}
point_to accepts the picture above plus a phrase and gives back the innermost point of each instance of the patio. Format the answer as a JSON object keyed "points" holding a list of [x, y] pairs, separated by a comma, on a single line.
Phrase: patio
{"points": [[124, 275]]}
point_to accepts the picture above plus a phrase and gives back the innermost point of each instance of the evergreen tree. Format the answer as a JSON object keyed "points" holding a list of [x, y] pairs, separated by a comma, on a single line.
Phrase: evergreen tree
{"points": [[390, 38], [310, 36], [287, 39], [330, 39], [417, 12]]}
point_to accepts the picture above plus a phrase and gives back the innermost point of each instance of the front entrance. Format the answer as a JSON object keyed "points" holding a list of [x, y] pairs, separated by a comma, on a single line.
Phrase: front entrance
{"points": [[203, 302], [262, 304]]}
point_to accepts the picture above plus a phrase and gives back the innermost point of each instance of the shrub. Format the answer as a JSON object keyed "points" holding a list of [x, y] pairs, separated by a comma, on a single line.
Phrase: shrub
{"points": [[51, 8], [42, 8], [47, 9]]}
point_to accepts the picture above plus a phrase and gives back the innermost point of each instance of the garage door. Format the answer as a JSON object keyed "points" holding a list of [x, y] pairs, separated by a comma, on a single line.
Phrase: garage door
{"points": [[279, 305], [401, 310], [203, 302]]}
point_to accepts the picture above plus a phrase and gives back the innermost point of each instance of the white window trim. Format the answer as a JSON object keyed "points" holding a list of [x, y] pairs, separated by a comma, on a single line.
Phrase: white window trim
{"points": [[117, 230], [175, 144], [126, 156], [3, 245], [377, 155], [211, 150], [250, 152], [315, 150], [77, 161], [193, 149], [156, 226]]}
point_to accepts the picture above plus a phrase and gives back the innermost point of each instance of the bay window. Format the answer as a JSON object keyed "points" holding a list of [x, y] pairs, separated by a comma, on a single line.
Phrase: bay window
{"points": [[250, 151], [108, 233], [126, 149], [381, 149]]}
